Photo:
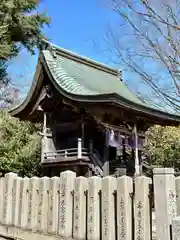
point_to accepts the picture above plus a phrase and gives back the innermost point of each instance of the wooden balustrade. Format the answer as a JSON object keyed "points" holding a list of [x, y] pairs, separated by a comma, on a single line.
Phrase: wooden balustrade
{"points": [[65, 154]]}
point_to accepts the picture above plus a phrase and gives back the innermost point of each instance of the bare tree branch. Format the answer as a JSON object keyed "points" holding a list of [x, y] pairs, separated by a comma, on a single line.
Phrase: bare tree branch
{"points": [[147, 42]]}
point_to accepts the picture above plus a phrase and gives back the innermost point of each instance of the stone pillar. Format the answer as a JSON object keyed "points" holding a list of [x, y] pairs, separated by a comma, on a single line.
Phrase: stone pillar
{"points": [[2, 183], [8, 197], [165, 201], [94, 187], [109, 185], [80, 203], [124, 208], [17, 189], [44, 204], [24, 202], [66, 203], [35, 189], [142, 208], [177, 182], [176, 228], [54, 205]]}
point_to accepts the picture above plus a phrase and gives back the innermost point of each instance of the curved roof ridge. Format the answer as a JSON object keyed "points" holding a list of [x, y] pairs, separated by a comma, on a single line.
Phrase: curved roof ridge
{"points": [[82, 59]]}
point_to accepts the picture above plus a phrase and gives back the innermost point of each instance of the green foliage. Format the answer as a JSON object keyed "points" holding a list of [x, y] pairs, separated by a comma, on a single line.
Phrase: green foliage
{"points": [[163, 146], [20, 26], [19, 146]]}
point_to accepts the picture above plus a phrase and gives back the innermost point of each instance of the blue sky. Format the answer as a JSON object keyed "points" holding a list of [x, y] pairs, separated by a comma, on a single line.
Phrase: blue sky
{"points": [[79, 26], [75, 25]]}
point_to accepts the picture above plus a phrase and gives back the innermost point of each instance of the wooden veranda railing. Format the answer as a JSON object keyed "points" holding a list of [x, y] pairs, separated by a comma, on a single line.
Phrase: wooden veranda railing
{"points": [[66, 153], [95, 160]]}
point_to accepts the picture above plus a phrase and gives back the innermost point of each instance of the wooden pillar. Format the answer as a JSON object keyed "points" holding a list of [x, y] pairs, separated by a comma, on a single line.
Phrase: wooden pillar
{"points": [[90, 146], [124, 148], [45, 123], [140, 162], [44, 137], [82, 133], [137, 166], [89, 173], [79, 148], [106, 155]]}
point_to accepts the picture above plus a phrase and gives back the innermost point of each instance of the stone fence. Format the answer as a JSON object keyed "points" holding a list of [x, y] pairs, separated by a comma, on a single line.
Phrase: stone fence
{"points": [[92, 208]]}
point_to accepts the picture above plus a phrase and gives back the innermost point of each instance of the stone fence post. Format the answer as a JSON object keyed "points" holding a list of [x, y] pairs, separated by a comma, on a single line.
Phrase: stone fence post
{"points": [[176, 228], [142, 208], [8, 198], [109, 186], [124, 208], [165, 201], [177, 181], [93, 218], [2, 181], [67, 180], [79, 218]]}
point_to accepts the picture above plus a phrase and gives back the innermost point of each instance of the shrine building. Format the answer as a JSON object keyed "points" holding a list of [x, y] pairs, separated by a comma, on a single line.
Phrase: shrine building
{"points": [[92, 123]]}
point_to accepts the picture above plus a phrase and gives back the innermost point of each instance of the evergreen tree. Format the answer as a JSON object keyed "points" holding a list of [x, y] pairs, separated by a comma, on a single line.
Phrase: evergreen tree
{"points": [[163, 146], [20, 26], [20, 146]]}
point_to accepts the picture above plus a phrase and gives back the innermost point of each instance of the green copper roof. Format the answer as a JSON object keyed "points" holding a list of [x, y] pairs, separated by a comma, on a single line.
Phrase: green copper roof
{"points": [[81, 78]]}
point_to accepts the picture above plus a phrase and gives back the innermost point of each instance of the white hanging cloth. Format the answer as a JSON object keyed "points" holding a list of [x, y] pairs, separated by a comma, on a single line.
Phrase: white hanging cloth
{"points": [[114, 139]]}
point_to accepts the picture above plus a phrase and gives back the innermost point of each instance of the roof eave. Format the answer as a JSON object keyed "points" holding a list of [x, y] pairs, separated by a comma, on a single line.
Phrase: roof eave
{"points": [[111, 98], [37, 83]]}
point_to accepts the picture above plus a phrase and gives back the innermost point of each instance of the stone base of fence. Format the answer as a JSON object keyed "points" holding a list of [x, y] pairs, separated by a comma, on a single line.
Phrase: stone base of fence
{"points": [[92, 208], [13, 233], [176, 228]]}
